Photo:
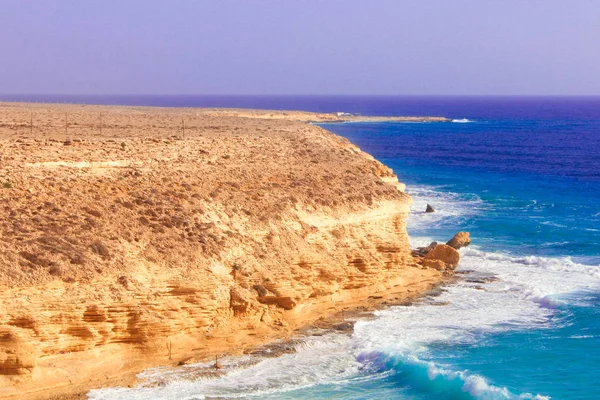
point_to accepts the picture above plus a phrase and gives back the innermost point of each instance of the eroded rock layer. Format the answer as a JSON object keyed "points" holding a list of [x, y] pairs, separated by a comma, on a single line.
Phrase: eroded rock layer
{"points": [[137, 236]]}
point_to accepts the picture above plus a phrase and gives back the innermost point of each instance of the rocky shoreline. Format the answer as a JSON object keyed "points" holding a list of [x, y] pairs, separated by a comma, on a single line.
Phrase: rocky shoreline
{"points": [[141, 236], [202, 367]]}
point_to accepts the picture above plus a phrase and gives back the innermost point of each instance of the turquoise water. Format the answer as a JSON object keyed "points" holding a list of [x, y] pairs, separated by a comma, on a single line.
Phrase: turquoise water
{"points": [[529, 193], [523, 177]]}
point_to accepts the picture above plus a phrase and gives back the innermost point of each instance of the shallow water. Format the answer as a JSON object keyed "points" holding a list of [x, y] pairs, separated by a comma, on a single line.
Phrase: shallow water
{"points": [[523, 176]]}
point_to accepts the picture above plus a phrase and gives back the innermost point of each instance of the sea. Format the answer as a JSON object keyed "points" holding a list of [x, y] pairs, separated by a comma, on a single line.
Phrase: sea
{"points": [[522, 175]]}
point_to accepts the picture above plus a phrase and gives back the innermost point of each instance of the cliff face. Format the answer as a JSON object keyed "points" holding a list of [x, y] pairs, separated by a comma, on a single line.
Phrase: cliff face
{"points": [[143, 243]]}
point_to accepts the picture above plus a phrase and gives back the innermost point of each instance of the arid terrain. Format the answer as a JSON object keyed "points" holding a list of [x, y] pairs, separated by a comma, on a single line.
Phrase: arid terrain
{"points": [[139, 236]]}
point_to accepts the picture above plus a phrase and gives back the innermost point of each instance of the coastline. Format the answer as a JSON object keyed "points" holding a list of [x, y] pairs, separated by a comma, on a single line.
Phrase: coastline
{"points": [[96, 315], [275, 115], [339, 321]]}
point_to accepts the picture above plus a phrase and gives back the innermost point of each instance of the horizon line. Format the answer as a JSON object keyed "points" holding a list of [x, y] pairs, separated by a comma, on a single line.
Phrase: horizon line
{"points": [[288, 95]]}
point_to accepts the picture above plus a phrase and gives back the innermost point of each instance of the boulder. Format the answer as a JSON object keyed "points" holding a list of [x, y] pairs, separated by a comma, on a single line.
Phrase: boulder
{"points": [[448, 255], [461, 239], [429, 209]]}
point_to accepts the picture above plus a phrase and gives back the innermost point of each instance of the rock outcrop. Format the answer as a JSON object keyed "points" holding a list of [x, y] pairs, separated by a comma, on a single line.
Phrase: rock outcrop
{"points": [[460, 240], [141, 244], [17, 354], [429, 209], [445, 254], [443, 257]]}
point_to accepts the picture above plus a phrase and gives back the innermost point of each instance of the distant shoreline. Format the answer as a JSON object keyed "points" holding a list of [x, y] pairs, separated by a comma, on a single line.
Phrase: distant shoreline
{"points": [[292, 115]]}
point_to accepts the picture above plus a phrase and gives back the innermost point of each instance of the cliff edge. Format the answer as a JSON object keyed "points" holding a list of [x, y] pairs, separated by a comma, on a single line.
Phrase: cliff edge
{"points": [[136, 236]]}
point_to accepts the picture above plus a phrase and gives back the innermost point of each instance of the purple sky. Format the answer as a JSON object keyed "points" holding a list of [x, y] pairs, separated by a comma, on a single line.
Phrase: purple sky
{"points": [[300, 47]]}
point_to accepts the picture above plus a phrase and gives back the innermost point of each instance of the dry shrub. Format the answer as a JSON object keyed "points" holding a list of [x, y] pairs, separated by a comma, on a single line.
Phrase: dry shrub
{"points": [[100, 249], [56, 270], [35, 259], [93, 212]]}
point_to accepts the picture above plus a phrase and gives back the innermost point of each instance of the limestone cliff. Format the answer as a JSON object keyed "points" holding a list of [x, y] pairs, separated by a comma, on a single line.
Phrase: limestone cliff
{"points": [[157, 234]]}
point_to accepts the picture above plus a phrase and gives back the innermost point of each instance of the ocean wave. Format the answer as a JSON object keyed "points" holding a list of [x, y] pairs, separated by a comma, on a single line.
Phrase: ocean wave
{"points": [[462, 120], [498, 293], [476, 385], [437, 379]]}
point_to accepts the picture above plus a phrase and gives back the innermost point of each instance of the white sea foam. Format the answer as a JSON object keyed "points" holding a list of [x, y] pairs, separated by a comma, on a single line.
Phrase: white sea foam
{"points": [[524, 294], [476, 385], [582, 337], [554, 224], [451, 208], [319, 360], [462, 120]]}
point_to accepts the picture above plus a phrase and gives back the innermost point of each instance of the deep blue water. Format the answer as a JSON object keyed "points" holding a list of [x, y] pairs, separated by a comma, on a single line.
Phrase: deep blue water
{"points": [[538, 180], [528, 176], [523, 177]]}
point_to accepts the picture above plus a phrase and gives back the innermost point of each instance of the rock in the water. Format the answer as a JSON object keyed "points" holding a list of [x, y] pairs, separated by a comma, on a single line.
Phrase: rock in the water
{"points": [[461, 239], [429, 209], [445, 253], [345, 326]]}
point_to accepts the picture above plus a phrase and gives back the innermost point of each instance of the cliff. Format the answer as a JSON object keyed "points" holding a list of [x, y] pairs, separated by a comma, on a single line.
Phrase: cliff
{"points": [[135, 236]]}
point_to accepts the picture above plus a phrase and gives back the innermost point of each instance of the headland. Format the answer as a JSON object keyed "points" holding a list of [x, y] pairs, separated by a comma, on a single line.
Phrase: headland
{"points": [[139, 236]]}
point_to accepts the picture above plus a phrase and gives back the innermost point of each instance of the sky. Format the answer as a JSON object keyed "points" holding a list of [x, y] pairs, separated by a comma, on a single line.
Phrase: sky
{"points": [[346, 47]]}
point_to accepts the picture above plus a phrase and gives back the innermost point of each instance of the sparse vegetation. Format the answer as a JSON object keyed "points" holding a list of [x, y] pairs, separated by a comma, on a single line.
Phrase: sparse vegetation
{"points": [[153, 230], [100, 249]]}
